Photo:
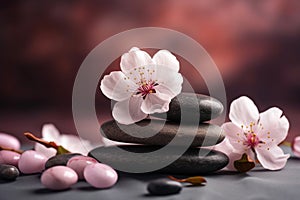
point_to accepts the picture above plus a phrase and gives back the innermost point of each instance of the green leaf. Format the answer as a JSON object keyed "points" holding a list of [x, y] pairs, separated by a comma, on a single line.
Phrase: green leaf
{"points": [[62, 150], [244, 164]]}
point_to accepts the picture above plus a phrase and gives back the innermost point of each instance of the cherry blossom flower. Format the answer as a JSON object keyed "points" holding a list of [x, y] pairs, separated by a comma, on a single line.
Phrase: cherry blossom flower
{"points": [[71, 142], [296, 146], [144, 85], [256, 134]]}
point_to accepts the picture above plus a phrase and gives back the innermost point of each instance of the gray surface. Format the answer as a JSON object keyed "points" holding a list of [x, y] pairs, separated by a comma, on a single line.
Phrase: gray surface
{"points": [[258, 184]]}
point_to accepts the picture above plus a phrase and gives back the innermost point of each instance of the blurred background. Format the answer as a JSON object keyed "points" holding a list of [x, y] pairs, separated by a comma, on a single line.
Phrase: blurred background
{"points": [[255, 45]]}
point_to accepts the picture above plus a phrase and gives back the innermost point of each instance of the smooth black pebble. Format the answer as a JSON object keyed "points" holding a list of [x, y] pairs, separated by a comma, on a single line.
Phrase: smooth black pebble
{"points": [[61, 159], [8, 172], [183, 108], [164, 187]]}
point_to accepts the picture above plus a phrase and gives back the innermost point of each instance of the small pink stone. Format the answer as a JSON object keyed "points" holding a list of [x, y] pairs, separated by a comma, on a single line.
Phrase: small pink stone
{"points": [[100, 175], [78, 163], [32, 162], [9, 157], [59, 178], [9, 141]]}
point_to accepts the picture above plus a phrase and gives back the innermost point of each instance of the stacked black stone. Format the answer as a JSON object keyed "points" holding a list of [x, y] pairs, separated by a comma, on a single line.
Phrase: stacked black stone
{"points": [[184, 125]]}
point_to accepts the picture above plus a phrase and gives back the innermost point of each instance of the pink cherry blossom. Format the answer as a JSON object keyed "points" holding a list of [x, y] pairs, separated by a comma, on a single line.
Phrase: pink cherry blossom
{"points": [[296, 146], [144, 85], [70, 142], [256, 134]]}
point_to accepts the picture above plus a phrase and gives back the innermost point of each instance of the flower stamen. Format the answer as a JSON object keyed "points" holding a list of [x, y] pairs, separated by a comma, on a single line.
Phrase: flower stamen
{"points": [[252, 140], [146, 88]]}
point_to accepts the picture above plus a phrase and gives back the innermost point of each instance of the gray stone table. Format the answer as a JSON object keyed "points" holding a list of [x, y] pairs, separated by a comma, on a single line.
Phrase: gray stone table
{"points": [[256, 185]]}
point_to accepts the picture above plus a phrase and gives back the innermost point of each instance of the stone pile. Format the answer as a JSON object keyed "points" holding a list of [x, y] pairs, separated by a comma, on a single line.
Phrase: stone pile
{"points": [[185, 124]]}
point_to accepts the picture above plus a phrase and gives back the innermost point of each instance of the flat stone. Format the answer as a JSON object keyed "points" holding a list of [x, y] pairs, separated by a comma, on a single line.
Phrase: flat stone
{"points": [[193, 161], [186, 103], [159, 132]]}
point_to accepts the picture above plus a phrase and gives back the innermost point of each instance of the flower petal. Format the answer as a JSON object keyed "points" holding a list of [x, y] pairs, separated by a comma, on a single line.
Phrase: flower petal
{"points": [[169, 79], [243, 111], [272, 158], [134, 58], [167, 59], [117, 86], [251, 154], [48, 152], [50, 132], [296, 146], [274, 127], [142, 74], [129, 111], [75, 144], [227, 148], [156, 103], [235, 136], [162, 89], [107, 142]]}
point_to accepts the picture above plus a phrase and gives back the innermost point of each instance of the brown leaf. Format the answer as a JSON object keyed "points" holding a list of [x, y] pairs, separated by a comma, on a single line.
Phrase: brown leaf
{"points": [[244, 164], [194, 180]]}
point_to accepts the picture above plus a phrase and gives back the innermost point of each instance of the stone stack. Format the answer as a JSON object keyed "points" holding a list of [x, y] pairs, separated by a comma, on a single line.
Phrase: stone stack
{"points": [[184, 127]]}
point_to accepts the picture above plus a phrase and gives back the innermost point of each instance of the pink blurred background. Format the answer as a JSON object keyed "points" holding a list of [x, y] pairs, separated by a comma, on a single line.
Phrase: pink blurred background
{"points": [[255, 44]]}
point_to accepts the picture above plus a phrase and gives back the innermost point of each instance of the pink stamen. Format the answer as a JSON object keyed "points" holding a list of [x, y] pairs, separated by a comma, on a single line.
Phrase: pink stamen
{"points": [[146, 88], [252, 140]]}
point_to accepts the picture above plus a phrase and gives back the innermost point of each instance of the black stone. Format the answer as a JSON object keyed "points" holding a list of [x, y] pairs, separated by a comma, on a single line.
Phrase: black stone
{"points": [[8, 172], [187, 103], [207, 134], [164, 187], [193, 161], [61, 159]]}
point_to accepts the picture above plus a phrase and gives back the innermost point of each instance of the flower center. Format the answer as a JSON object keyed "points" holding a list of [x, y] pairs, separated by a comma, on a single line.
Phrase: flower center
{"points": [[146, 88], [252, 140]]}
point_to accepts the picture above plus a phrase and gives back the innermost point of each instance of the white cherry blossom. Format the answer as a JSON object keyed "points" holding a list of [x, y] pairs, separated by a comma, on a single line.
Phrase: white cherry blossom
{"points": [[256, 134], [71, 142], [296, 146], [144, 85]]}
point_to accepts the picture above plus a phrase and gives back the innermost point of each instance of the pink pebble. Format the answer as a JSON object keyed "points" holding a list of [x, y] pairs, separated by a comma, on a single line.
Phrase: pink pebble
{"points": [[9, 157], [78, 163], [100, 175], [32, 162], [59, 178], [9, 141]]}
